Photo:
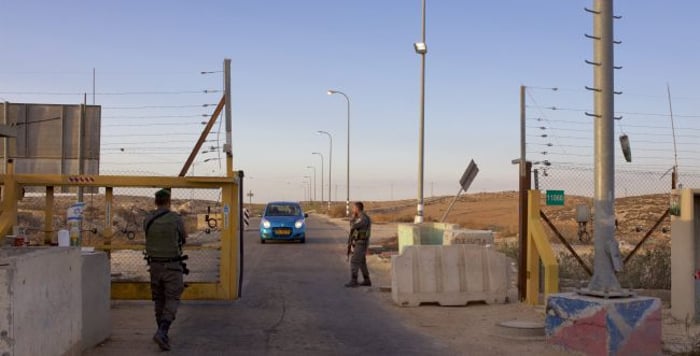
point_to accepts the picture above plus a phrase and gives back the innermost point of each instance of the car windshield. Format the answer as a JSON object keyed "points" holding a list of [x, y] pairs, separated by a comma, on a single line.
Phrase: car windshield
{"points": [[282, 209]]}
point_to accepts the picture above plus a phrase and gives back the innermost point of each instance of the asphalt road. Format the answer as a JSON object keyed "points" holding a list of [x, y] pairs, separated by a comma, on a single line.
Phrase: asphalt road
{"points": [[294, 303]]}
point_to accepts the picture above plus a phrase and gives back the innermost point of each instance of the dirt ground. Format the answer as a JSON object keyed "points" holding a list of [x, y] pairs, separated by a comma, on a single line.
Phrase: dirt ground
{"points": [[462, 327]]}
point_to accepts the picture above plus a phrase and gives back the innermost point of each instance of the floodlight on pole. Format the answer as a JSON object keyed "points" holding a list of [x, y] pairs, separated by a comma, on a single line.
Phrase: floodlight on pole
{"points": [[421, 49]]}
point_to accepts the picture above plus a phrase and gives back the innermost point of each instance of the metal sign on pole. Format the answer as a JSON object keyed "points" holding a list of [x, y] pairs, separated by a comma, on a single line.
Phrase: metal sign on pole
{"points": [[464, 183]]}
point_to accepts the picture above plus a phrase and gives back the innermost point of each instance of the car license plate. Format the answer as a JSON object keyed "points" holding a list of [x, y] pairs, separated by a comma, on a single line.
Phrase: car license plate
{"points": [[283, 232]]}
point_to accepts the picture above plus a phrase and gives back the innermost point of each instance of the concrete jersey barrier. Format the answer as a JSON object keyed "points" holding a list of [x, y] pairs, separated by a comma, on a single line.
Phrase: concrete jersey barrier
{"points": [[449, 275]]}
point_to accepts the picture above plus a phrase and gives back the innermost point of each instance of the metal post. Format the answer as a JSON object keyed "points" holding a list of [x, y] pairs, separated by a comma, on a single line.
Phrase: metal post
{"points": [[5, 145], [81, 135], [524, 185], [523, 111], [452, 203], [228, 147], [93, 85], [320, 154], [347, 169], [330, 167], [604, 281], [313, 196], [421, 135]]}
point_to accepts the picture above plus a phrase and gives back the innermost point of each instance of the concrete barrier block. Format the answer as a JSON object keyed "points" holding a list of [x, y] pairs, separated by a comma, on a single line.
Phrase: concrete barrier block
{"points": [[599, 326], [449, 275], [97, 325], [468, 236], [40, 301], [422, 234]]}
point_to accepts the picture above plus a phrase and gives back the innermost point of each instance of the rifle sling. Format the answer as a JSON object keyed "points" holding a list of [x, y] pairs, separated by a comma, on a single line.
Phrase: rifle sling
{"points": [[154, 218]]}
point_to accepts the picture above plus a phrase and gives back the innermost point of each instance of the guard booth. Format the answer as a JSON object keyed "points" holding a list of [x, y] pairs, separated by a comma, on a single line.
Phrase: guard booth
{"points": [[114, 212], [685, 254]]}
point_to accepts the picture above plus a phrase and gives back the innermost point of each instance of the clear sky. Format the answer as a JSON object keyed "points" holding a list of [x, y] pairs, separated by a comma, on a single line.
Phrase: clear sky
{"points": [[148, 57]]}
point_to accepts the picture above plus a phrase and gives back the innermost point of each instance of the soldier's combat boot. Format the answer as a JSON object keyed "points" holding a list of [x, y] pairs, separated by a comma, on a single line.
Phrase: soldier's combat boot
{"points": [[161, 336], [366, 282]]}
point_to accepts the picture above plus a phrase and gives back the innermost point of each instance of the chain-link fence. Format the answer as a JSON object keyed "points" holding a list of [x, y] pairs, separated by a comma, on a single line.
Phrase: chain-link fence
{"points": [[200, 209], [642, 198]]}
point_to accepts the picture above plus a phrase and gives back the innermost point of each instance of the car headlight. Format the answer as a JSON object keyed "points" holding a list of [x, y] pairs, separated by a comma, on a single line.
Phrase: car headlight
{"points": [[265, 223], [299, 224]]}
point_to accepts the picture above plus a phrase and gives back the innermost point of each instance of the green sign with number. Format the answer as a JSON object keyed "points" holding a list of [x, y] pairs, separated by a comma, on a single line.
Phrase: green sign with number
{"points": [[555, 197]]}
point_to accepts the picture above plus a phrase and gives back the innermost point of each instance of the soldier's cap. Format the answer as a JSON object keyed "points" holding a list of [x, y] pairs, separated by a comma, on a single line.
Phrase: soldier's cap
{"points": [[163, 193]]}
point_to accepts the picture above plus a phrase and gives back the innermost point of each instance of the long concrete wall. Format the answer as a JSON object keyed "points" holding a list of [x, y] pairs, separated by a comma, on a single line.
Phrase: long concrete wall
{"points": [[449, 275], [40, 301]]}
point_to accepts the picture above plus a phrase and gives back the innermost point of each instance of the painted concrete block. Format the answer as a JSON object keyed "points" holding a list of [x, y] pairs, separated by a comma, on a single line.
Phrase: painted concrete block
{"points": [[97, 325], [422, 234], [41, 308], [468, 236], [449, 275], [598, 326]]}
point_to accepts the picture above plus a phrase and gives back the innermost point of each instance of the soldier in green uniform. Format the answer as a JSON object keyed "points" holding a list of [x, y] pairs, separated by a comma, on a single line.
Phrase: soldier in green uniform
{"points": [[165, 235], [360, 227]]}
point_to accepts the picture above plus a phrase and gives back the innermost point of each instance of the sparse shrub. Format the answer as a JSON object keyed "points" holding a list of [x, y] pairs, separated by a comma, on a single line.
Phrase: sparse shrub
{"points": [[649, 269], [511, 250], [337, 211], [570, 270]]}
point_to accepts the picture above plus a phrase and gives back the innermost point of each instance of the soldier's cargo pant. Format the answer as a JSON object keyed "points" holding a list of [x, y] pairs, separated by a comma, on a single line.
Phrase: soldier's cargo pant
{"points": [[359, 260], [166, 288]]}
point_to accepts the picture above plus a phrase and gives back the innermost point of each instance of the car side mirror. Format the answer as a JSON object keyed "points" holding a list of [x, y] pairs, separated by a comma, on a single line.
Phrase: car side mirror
{"points": [[306, 215]]}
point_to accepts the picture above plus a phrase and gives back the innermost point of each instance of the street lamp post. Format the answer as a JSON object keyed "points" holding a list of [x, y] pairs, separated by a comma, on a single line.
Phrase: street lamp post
{"points": [[321, 155], [422, 49], [308, 186], [315, 187], [330, 165], [347, 170]]}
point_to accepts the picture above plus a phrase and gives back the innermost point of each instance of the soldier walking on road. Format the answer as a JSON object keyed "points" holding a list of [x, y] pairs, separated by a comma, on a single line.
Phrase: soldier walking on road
{"points": [[360, 227], [165, 235]]}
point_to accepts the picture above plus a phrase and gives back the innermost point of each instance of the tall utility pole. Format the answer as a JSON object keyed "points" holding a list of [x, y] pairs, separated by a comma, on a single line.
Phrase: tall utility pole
{"points": [[607, 259], [524, 185], [422, 49], [228, 146]]}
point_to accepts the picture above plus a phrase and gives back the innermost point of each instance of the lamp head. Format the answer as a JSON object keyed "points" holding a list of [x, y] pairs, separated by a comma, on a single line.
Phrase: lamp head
{"points": [[331, 91], [420, 47]]}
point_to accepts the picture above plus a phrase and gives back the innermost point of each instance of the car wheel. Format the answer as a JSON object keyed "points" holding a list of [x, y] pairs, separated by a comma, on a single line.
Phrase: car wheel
{"points": [[302, 240], [262, 241]]}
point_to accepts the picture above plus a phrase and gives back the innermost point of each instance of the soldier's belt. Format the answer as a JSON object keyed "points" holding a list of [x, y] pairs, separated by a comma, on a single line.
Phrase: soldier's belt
{"points": [[167, 259]]}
